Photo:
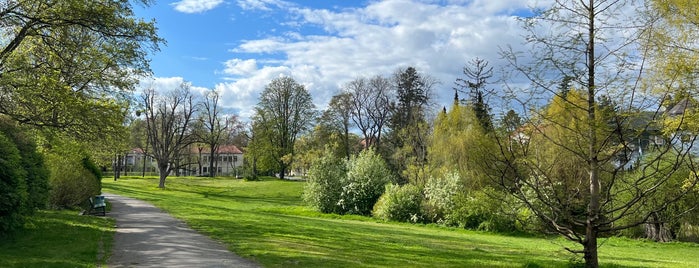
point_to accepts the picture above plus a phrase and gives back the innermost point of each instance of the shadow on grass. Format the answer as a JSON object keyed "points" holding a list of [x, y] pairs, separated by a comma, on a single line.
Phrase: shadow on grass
{"points": [[271, 227], [58, 239], [198, 192]]}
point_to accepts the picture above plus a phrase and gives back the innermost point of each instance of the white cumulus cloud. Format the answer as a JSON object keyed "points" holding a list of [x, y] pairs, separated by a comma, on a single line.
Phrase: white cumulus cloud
{"points": [[240, 67], [196, 6], [264, 5], [436, 38]]}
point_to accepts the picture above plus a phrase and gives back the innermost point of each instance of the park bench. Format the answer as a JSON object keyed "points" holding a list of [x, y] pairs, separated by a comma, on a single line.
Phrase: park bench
{"points": [[97, 205]]}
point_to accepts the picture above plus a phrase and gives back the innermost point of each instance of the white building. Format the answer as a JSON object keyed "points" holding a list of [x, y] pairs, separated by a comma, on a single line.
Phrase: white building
{"points": [[228, 161]]}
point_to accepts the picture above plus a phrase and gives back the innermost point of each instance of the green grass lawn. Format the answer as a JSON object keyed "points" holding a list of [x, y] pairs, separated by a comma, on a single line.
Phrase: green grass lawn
{"points": [[59, 239], [266, 221]]}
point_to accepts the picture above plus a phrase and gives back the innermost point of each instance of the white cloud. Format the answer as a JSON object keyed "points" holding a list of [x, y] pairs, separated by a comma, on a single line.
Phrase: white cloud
{"points": [[163, 85], [264, 5], [242, 95], [240, 67], [436, 38], [196, 6]]}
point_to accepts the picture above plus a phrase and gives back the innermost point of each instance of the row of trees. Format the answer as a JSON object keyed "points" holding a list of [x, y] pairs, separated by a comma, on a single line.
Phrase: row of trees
{"points": [[67, 69], [175, 120], [603, 142]]}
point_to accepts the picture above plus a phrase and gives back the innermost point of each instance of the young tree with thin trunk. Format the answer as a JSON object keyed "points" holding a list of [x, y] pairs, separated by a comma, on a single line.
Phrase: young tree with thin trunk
{"points": [[168, 120], [573, 172]]}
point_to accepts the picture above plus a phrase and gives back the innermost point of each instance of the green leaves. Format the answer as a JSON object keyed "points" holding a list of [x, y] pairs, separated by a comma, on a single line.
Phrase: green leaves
{"points": [[71, 64], [285, 110]]}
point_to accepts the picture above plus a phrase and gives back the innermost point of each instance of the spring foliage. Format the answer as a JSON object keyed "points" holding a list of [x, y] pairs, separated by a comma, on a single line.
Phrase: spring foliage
{"points": [[23, 176], [399, 203], [351, 187], [324, 185]]}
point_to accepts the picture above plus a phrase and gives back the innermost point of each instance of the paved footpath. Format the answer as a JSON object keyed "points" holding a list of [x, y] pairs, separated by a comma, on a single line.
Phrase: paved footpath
{"points": [[148, 237]]}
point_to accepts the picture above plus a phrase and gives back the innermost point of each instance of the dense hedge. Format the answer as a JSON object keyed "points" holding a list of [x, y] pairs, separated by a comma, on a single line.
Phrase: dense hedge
{"points": [[24, 183], [13, 187]]}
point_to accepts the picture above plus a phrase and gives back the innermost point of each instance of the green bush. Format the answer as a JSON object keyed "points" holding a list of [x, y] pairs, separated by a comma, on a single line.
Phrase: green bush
{"points": [[91, 167], [367, 175], [13, 189], [439, 198], [324, 185], [399, 203], [72, 180], [484, 210], [32, 162]]}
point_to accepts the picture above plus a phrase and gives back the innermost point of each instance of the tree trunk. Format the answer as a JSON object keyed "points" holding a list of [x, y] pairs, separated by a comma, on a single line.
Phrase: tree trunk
{"points": [[657, 230], [593, 209], [164, 171], [283, 171], [590, 247], [117, 168], [346, 139], [161, 183], [254, 168], [199, 161], [212, 172], [145, 156]]}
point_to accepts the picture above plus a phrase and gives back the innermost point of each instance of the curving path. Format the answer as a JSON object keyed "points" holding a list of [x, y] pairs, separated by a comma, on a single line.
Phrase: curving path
{"points": [[148, 237]]}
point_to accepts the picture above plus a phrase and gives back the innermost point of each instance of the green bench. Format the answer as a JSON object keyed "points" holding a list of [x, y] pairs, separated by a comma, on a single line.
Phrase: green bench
{"points": [[97, 206]]}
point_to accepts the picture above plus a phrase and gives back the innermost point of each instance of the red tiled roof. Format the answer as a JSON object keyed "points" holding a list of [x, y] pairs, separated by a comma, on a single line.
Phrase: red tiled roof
{"points": [[223, 149], [229, 149]]}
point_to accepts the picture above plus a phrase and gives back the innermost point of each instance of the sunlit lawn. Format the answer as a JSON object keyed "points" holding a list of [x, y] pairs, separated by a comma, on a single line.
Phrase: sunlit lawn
{"points": [[59, 239], [267, 222]]}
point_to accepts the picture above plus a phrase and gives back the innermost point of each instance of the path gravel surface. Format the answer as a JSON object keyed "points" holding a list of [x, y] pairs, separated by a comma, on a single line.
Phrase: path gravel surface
{"points": [[148, 237]]}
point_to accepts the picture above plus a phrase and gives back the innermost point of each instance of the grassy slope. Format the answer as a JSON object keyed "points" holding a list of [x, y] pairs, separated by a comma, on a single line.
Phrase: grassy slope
{"points": [[59, 239], [266, 221]]}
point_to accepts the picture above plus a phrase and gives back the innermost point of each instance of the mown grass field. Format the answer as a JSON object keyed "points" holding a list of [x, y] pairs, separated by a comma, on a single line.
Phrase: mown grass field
{"points": [[266, 221], [59, 239]]}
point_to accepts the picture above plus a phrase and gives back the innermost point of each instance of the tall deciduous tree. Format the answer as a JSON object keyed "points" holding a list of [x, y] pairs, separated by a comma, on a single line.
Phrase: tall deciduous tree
{"points": [[217, 127], [69, 64], [586, 191], [284, 111], [370, 107], [168, 119], [337, 119]]}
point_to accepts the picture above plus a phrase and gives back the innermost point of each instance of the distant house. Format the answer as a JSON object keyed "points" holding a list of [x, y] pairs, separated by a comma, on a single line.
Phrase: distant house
{"points": [[195, 162], [134, 162], [685, 139], [228, 161]]}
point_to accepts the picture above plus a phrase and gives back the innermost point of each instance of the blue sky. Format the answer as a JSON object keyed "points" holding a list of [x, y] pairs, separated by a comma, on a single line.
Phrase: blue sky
{"points": [[238, 46]]}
